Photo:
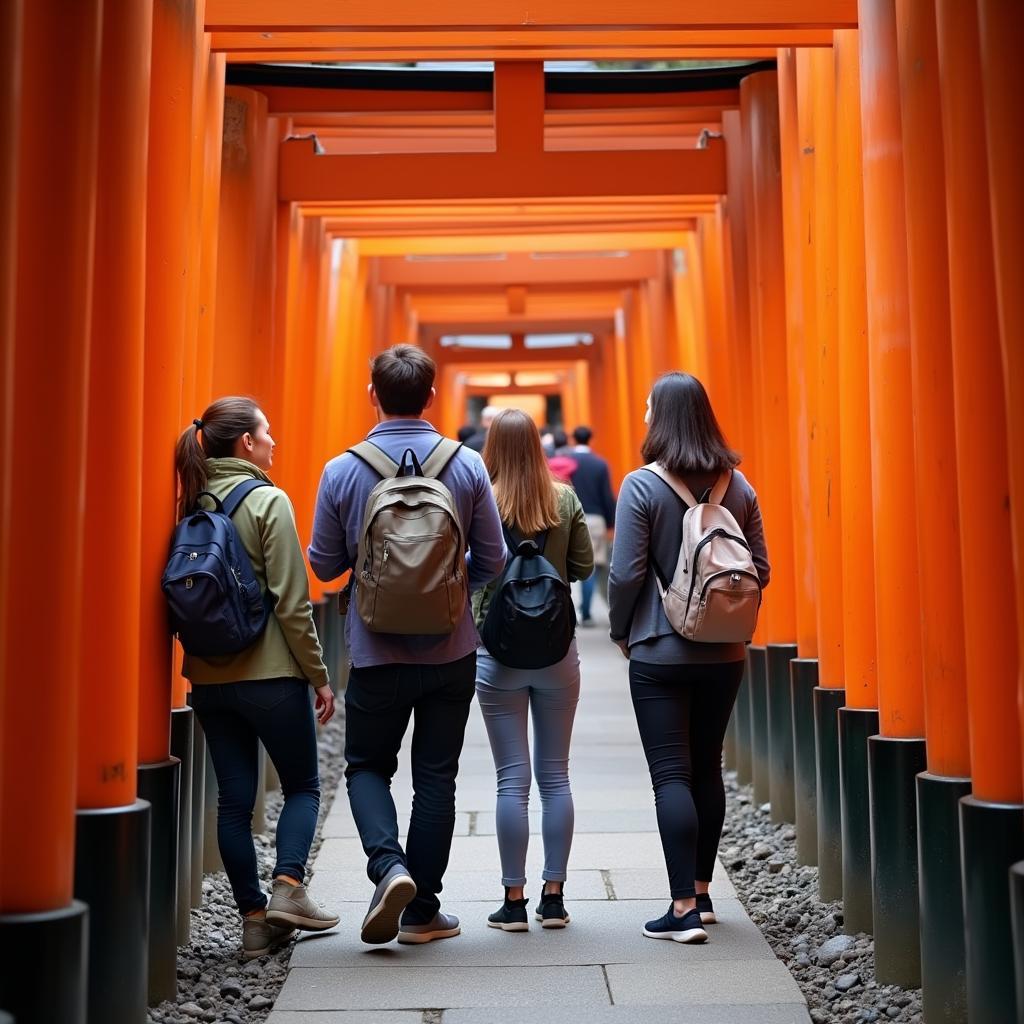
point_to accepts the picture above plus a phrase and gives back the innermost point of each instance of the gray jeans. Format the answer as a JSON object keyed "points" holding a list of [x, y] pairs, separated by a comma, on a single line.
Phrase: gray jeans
{"points": [[507, 696]]}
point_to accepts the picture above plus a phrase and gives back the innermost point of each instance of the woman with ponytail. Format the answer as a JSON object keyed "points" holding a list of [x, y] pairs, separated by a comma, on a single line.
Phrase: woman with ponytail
{"points": [[260, 694]]}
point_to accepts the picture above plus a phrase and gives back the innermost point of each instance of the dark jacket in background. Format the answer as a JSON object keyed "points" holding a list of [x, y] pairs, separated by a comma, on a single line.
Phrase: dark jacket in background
{"points": [[593, 484]]}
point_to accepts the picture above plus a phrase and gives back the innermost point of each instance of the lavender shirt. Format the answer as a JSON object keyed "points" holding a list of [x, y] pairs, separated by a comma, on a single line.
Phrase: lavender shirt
{"points": [[340, 503]]}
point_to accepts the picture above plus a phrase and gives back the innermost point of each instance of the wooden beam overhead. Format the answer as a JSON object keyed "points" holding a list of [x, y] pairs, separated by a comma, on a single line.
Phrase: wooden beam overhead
{"points": [[383, 55], [465, 245], [517, 15]]}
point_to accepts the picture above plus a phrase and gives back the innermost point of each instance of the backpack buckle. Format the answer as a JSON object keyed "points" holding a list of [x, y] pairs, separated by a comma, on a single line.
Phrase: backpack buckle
{"points": [[188, 583]]}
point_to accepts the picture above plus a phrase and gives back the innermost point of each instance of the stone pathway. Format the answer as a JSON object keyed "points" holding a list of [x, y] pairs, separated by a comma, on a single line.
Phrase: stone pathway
{"points": [[599, 969]]}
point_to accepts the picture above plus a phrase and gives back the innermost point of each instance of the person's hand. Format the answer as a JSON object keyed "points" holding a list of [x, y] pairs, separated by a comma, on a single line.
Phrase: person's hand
{"points": [[624, 647], [324, 704]]}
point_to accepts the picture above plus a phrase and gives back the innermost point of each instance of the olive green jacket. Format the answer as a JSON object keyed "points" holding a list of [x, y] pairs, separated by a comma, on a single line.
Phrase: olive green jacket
{"points": [[266, 525], [568, 549]]}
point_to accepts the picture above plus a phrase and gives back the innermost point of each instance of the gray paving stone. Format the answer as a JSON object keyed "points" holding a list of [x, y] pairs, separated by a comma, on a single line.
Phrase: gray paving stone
{"points": [[385, 988], [346, 1017], [680, 1014], [600, 933], [698, 981], [652, 883]]}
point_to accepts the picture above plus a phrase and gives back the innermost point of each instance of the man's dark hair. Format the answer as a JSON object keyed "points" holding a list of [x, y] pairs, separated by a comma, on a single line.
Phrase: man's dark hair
{"points": [[684, 435], [559, 437], [402, 377], [466, 432], [582, 435]]}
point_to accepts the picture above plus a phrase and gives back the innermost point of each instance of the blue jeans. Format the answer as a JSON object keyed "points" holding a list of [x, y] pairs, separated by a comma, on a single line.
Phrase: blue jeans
{"points": [[235, 717], [379, 701], [589, 585]]}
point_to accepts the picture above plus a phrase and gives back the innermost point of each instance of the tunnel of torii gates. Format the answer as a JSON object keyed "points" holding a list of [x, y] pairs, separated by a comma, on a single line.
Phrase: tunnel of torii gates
{"points": [[827, 235]]}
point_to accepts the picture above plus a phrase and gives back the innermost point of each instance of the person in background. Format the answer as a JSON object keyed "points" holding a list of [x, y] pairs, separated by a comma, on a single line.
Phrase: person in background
{"points": [[531, 503], [561, 463], [396, 677], [682, 691], [478, 438], [262, 693], [466, 432], [593, 483]]}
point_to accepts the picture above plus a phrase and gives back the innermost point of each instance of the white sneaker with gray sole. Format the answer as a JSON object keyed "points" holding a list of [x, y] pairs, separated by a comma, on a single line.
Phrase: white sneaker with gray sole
{"points": [[444, 926], [394, 892]]}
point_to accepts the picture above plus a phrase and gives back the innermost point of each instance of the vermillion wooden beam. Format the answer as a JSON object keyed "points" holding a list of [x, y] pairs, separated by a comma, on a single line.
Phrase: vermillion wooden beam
{"points": [[502, 15], [306, 177], [464, 245], [521, 268], [700, 40], [569, 323], [659, 51]]}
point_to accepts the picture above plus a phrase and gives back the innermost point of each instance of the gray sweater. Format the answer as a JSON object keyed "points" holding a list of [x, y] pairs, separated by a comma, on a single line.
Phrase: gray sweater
{"points": [[648, 523]]}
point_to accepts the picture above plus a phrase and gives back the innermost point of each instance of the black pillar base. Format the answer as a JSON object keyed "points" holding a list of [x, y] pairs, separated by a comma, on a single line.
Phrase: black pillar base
{"points": [[182, 747], [211, 848], [744, 740], [1017, 914], [757, 669], [855, 726], [943, 972], [780, 731], [43, 970], [112, 849], [827, 702], [803, 680], [160, 785], [893, 767], [991, 840], [198, 814]]}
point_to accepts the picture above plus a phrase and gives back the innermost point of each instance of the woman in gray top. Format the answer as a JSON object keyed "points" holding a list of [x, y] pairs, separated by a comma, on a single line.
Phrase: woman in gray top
{"points": [[682, 691]]}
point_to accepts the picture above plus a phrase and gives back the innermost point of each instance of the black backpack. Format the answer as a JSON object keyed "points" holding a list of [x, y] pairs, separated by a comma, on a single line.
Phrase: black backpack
{"points": [[531, 620], [213, 597]]}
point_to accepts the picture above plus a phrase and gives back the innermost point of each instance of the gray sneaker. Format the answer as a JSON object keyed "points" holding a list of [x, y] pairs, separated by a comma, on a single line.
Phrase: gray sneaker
{"points": [[292, 905], [260, 937], [394, 892], [444, 926]]}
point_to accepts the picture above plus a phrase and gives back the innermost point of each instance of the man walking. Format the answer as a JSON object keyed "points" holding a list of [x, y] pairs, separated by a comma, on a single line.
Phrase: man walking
{"points": [[592, 481], [427, 674]]}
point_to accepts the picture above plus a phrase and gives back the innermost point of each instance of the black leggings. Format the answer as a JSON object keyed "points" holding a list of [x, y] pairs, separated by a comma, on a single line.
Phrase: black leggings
{"points": [[682, 712]]}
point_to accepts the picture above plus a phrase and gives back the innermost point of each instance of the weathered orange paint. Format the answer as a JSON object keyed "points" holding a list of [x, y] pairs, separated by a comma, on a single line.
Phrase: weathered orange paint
{"points": [[981, 446], [938, 517], [167, 253], [897, 595], [798, 238], [759, 106], [109, 663], [860, 659], [45, 359], [1001, 40]]}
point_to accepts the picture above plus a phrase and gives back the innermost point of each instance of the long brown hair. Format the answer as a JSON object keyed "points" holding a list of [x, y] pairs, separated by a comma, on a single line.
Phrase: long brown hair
{"points": [[212, 436], [524, 488]]}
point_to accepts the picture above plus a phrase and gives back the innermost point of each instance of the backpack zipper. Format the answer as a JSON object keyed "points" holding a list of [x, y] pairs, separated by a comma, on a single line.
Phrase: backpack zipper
{"points": [[719, 532], [725, 572]]}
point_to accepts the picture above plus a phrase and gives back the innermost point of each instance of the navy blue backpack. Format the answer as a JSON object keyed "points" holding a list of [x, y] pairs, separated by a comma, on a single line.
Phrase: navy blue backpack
{"points": [[531, 619], [213, 597]]}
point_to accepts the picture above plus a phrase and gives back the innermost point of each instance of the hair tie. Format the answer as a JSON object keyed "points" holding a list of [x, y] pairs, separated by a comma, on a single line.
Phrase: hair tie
{"points": [[198, 424]]}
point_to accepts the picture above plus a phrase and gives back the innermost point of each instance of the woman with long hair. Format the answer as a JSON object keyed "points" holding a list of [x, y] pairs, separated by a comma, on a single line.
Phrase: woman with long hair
{"points": [[532, 506], [682, 690], [262, 693]]}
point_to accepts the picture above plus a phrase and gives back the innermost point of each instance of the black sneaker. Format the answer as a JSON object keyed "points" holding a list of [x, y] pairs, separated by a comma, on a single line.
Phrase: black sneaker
{"points": [[679, 929], [511, 916], [551, 910], [706, 908]]}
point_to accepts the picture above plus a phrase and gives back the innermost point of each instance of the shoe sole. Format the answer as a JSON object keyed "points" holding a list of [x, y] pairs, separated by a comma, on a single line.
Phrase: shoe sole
{"points": [[512, 926], [691, 937], [382, 923], [554, 922], [418, 938], [253, 954], [306, 924]]}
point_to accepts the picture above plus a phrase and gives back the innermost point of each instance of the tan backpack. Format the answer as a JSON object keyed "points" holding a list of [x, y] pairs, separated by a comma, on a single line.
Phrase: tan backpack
{"points": [[715, 593], [411, 563]]}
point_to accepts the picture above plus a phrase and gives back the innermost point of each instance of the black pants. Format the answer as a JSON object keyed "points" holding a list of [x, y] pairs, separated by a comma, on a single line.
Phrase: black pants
{"points": [[379, 702], [234, 717], [682, 712]]}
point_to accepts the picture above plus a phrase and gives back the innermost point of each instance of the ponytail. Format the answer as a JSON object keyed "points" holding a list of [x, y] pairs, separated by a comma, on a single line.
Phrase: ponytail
{"points": [[221, 425], [190, 461]]}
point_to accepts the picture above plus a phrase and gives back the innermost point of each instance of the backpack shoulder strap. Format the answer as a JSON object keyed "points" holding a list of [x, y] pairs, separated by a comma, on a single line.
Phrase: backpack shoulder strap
{"points": [[721, 486], [443, 453], [681, 490], [379, 461], [239, 493]]}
